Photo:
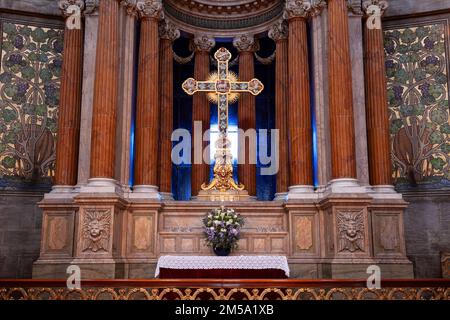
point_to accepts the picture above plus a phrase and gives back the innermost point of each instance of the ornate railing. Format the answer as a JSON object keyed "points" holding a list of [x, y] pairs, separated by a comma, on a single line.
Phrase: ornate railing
{"points": [[434, 289]]}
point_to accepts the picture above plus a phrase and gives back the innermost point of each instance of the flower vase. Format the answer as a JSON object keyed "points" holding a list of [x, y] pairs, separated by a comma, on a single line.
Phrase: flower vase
{"points": [[222, 252]]}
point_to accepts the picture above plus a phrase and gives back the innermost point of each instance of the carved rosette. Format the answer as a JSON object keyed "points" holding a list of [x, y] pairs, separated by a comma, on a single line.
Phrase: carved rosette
{"points": [[350, 225], [96, 230], [203, 43], [303, 8], [279, 31], [67, 6], [246, 42], [150, 9], [168, 31]]}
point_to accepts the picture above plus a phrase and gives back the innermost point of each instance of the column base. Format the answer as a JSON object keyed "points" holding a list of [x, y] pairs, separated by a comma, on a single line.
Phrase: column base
{"points": [[385, 192], [281, 196], [345, 185], [102, 185], [62, 192], [166, 196], [302, 192], [145, 192]]}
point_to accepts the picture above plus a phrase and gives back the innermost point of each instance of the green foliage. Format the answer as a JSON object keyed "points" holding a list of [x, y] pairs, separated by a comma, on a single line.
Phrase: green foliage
{"points": [[8, 162], [438, 163]]}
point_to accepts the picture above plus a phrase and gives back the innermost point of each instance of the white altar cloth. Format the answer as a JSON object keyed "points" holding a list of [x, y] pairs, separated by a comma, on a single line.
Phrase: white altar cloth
{"points": [[228, 262]]}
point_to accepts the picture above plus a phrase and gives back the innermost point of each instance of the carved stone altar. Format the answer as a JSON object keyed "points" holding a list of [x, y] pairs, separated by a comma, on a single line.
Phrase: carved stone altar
{"points": [[338, 236]]}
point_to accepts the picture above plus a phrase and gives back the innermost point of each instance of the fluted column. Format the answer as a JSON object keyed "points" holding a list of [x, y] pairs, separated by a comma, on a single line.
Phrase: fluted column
{"points": [[200, 113], [246, 46], [299, 111], [376, 95], [70, 99], [279, 33], [147, 110], [105, 93], [343, 164], [168, 33]]}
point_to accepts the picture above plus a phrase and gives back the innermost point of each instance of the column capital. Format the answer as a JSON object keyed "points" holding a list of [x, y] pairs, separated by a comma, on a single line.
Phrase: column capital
{"points": [[130, 7], [246, 42], [203, 42], [373, 8], [150, 9], [67, 6], [91, 7], [303, 8], [279, 31], [168, 31]]}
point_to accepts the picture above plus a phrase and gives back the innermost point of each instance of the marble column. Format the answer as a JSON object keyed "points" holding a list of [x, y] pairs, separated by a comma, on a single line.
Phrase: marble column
{"points": [[147, 110], [128, 61], [299, 110], [168, 33], [105, 97], [279, 33], [89, 60], [343, 163], [246, 46], [376, 97], [202, 45], [70, 104]]}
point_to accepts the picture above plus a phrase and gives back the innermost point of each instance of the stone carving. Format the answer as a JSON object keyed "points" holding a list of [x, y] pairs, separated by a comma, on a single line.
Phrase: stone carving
{"points": [[303, 233], [57, 233], [203, 43], [150, 9], [279, 31], [167, 30], [96, 231], [374, 9], [246, 42], [355, 6], [350, 225], [267, 229], [303, 8], [445, 260]]}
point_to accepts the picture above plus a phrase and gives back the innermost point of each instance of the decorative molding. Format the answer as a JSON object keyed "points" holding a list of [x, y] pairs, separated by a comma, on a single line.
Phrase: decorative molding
{"points": [[350, 225], [67, 6], [168, 31], [96, 232], [246, 42], [279, 31], [150, 9], [303, 8], [203, 43]]}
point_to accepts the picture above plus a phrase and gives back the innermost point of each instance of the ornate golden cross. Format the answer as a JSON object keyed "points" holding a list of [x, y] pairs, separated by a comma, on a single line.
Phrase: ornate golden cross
{"points": [[223, 87]]}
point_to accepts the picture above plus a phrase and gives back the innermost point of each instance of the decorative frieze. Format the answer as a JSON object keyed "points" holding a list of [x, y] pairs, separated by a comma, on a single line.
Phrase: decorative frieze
{"points": [[150, 9], [303, 8], [279, 31], [168, 31], [246, 42], [203, 43]]}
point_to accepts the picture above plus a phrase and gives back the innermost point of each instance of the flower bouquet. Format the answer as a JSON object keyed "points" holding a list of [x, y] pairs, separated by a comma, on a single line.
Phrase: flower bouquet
{"points": [[222, 228]]}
